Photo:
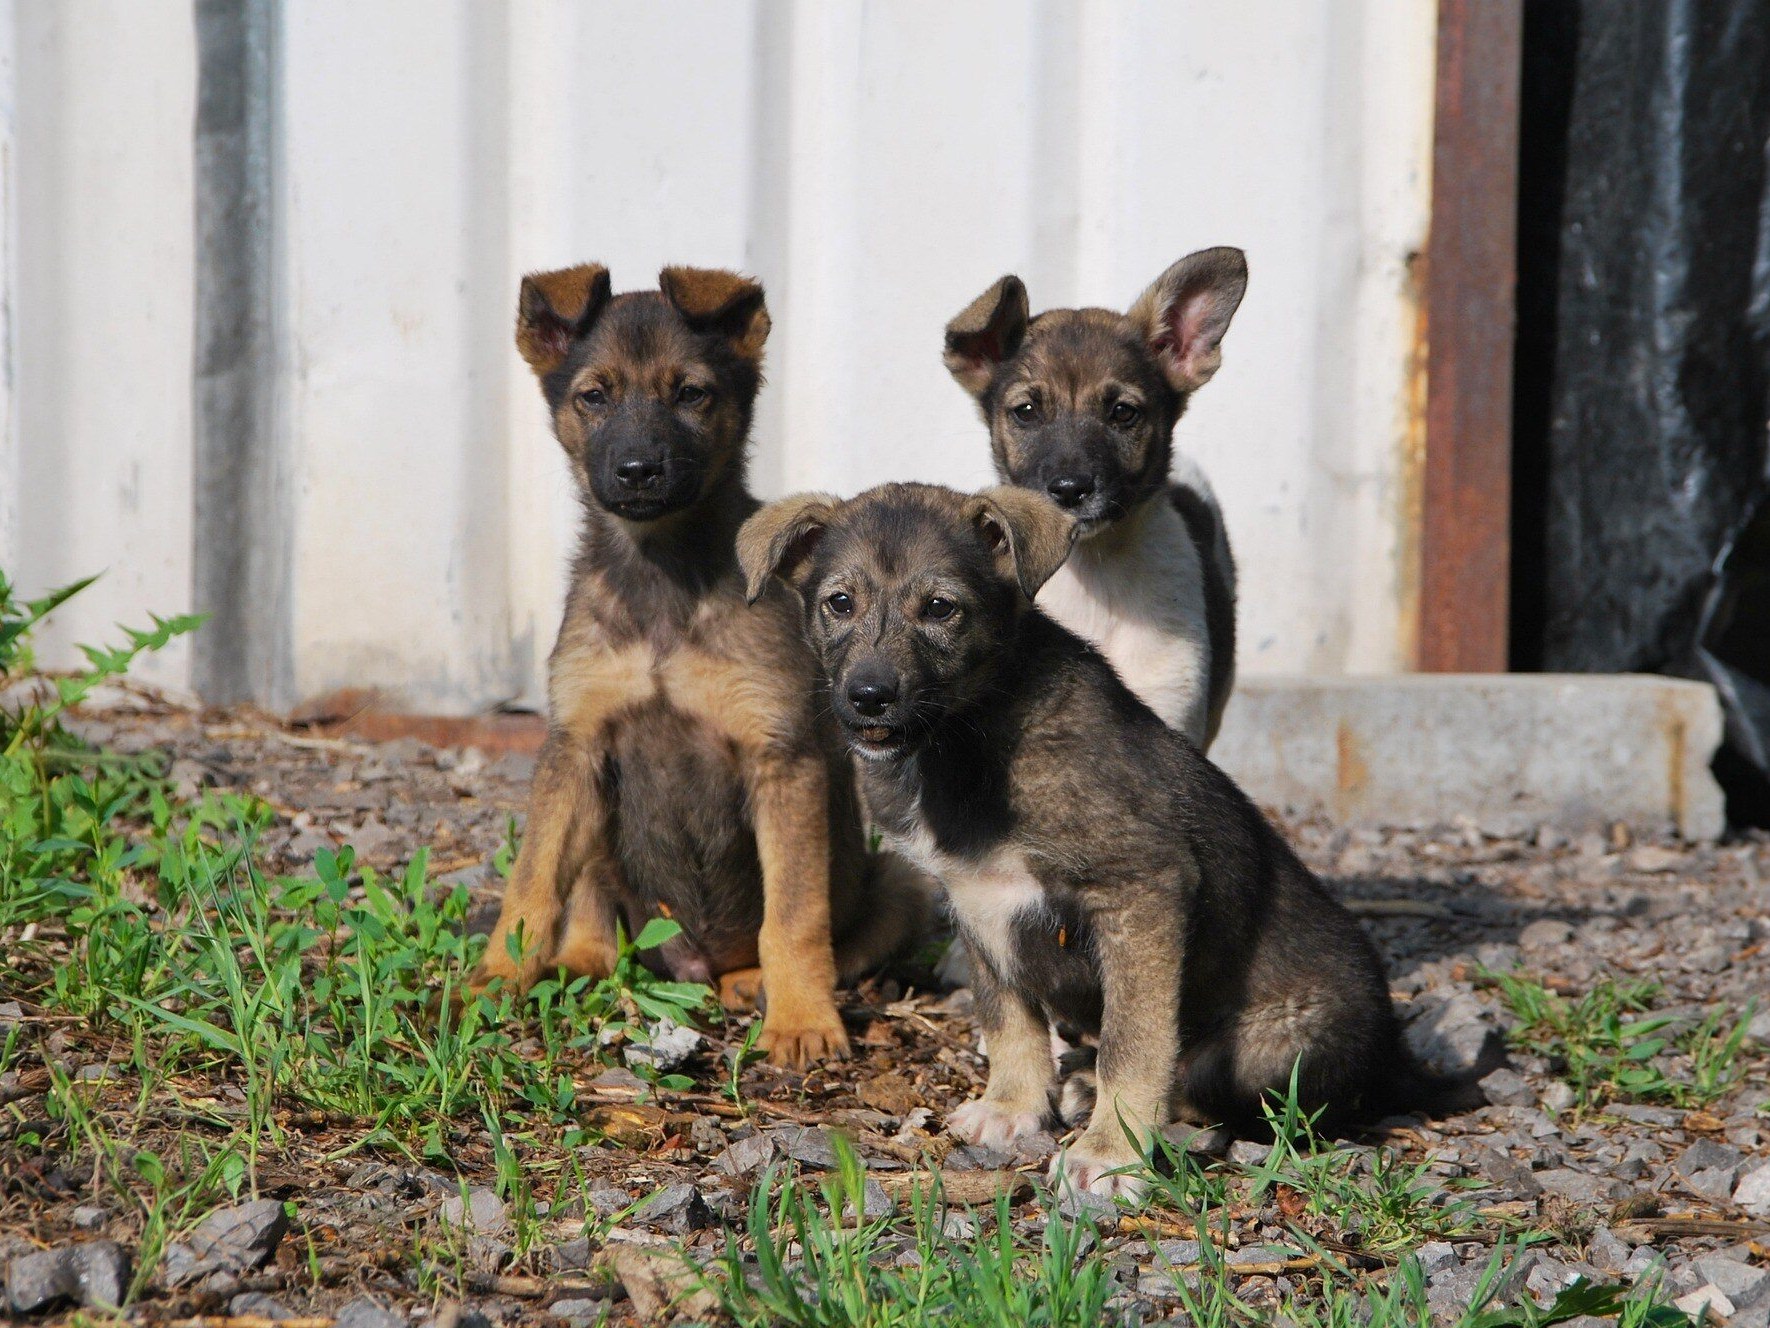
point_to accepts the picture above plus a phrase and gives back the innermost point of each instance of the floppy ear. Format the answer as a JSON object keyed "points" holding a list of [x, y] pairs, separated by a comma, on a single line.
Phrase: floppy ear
{"points": [[1185, 313], [556, 308], [1030, 535], [778, 540], [988, 331], [722, 303]]}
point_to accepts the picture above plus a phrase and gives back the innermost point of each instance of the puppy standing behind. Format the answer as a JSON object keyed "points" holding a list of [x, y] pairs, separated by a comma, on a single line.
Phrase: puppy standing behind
{"points": [[1103, 873], [1081, 405], [683, 773]]}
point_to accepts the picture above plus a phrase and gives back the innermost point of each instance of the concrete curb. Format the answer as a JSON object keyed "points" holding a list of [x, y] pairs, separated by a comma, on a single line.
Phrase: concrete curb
{"points": [[1507, 751]]}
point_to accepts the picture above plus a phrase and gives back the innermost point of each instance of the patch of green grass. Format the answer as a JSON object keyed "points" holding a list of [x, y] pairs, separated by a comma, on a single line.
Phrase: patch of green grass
{"points": [[338, 991], [816, 1264], [1608, 1045]]}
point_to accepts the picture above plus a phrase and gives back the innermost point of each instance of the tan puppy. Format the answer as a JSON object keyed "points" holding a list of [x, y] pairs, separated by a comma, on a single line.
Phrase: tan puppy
{"points": [[683, 773]]}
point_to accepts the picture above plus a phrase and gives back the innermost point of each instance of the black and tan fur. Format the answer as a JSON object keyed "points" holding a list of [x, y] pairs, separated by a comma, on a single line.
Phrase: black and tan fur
{"points": [[1081, 404], [683, 773], [1103, 873]]}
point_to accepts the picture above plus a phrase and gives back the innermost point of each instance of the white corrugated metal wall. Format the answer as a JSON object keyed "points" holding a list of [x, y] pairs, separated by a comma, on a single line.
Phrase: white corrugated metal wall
{"points": [[876, 164]]}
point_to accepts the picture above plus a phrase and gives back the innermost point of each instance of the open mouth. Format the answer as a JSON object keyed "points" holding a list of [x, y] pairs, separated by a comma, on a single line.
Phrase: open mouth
{"points": [[876, 739]]}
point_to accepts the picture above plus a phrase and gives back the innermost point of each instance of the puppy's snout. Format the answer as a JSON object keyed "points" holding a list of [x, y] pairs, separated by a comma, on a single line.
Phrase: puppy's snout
{"points": [[872, 697], [1071, 490], [640, 473]]}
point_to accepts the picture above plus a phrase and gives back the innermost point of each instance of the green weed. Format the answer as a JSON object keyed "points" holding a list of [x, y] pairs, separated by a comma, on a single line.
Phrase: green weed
{"points": [[1609, 1047]]}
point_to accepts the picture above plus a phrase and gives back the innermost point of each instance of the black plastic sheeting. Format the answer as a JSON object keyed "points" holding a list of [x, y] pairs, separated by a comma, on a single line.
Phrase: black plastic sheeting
{"points": [[1643, 367]]}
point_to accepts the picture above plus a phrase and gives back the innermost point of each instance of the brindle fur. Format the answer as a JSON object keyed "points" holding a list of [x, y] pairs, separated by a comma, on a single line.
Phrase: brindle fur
{"points": [[1103, 872], [683, 772], [1153, 581]]}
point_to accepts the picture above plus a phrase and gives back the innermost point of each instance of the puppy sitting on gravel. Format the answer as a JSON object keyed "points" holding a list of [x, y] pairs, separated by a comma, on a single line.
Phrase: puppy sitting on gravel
{"points": [[1103, 873]]}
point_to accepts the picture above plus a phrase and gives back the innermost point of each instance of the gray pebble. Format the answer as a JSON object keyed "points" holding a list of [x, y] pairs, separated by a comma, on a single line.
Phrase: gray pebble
{"points": [[746, 1156], [1753, 1191], [577, 1310], [229, 1240], [1608, 1250], [1434, 1257], [364, 1312], [1507, 1088], [678, 1209], [255, 1304], [95, 1274], [482, 1210], [1739, 1280], [1581, 1186]]}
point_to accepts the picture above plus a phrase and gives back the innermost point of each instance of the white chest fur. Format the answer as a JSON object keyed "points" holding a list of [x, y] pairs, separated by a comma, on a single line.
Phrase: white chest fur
{"points": [[1137, 591], [987, 897]]}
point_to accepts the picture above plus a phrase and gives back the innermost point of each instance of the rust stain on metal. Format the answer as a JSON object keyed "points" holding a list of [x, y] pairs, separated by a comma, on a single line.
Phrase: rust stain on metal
{"points": [[1676, 738], [1413, 464], [362, 714], [1351, 774]]}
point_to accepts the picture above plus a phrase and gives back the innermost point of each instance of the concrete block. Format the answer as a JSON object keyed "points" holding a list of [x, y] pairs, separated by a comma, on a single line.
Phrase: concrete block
{"points": [[1506, 751]]}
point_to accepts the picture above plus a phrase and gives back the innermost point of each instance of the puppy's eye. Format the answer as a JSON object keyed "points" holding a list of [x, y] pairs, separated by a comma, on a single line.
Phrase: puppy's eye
{"points": [[1125, 413], [938, 608], [1026, 412], [593, 396], [841, 604], [690, 395]]}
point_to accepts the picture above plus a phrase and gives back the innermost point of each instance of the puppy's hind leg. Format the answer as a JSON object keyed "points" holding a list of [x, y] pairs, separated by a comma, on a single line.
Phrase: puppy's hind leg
{"points": [[895, 910]]}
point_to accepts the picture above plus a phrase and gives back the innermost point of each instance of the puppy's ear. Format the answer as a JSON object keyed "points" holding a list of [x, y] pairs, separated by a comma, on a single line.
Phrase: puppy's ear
{"points": [[556, 308], [1030, 535], [1185, 313], [722, 303], [988, 331], [778, 540]]}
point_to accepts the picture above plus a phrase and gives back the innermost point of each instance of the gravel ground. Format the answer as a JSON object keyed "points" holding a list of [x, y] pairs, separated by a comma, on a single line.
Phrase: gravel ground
{"points": [[1635, 1191]]}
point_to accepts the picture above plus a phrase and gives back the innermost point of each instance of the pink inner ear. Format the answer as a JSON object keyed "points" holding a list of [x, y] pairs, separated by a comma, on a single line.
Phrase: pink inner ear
{"points": [[1187, 327]]}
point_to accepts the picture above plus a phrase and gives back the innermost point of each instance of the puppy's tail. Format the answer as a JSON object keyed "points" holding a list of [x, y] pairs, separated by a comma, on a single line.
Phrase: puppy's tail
{"points": [[1416, 1087]]}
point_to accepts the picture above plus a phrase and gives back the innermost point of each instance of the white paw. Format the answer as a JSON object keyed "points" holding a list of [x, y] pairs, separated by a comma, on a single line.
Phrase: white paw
{"points": [[1112, 1176], [993, 1124]]}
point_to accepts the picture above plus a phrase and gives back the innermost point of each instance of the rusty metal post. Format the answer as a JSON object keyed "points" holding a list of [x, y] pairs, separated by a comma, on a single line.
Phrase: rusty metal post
{"points": [[1465, 535]]}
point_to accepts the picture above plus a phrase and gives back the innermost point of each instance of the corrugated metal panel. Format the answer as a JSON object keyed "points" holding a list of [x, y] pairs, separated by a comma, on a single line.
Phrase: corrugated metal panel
{"points": [[875, 164]]}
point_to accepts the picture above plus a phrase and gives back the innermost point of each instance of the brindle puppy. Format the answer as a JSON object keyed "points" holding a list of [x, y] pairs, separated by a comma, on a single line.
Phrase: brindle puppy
{"points": [[1103, 873], [683, 773], [1081, 404]]}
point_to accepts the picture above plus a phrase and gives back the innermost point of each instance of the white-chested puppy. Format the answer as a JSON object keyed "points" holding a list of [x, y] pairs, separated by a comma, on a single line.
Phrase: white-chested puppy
{"points": [[1081, 405]]}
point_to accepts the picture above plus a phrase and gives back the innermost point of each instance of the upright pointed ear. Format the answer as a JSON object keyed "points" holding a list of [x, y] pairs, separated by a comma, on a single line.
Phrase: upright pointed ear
{"points": [[720, 302], [1185, 313], [778, 540], [556, 308], [988, 331], [1030, 535]]}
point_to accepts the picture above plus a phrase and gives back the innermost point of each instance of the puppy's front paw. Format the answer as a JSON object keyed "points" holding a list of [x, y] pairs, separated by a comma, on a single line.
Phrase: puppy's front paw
{"points": [[994, 1125], [804, 1039], [741, 989], [1086, 1167]]}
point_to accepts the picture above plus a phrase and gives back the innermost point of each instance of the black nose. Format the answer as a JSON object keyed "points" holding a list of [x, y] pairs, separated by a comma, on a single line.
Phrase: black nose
{"points": [[639, 474], [1071, 490], [871, 699]]}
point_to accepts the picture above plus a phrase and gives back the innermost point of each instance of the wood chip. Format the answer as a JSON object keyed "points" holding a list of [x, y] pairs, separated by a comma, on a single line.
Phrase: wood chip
{"points": [[960, 1187], [659, 1284]]}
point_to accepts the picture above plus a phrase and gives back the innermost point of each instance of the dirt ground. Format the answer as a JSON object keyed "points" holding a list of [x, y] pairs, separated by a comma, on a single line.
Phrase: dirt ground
{"points": [[1635, 1191]]}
